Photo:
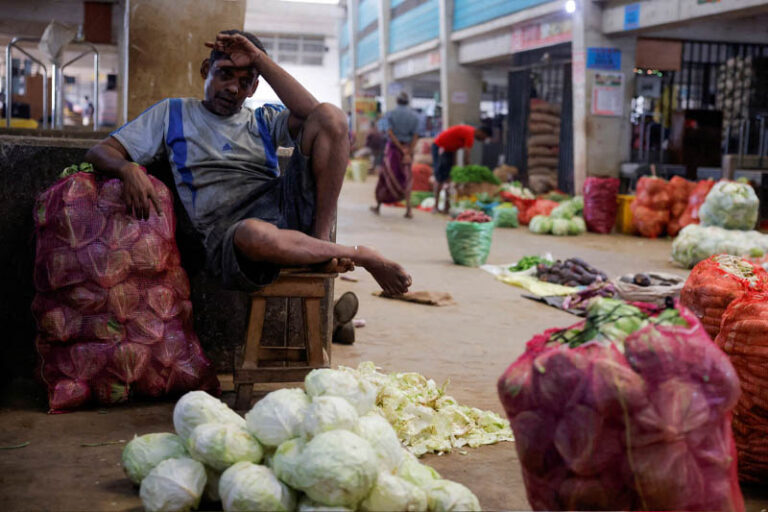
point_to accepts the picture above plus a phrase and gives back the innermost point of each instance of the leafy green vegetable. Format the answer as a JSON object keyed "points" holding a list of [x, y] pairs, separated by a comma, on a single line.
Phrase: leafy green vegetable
{"points": [[730, 205], [75, 168], [527, 262], [143, 453], [473, 174]]}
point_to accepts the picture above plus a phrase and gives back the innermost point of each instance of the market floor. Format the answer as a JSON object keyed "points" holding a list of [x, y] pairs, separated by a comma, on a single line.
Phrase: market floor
{"points": [[469, 344]]}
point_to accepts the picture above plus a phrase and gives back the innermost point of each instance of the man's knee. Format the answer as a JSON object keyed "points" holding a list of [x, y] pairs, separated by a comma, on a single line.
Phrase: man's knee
{"points": [[331, 121], [252, 234]]}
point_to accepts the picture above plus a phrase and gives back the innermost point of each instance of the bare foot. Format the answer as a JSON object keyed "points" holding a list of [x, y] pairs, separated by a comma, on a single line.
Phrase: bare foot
{"points": [[376, 209], [392, 278]]}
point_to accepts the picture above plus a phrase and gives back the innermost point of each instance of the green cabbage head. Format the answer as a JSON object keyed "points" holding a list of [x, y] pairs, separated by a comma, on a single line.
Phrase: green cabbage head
{"points": [[328, 413], [383, 439], [730, 205], [246, 487], [219, 445], [393, 493], [413, 471], [327, 382], [447, 496], [287, 459], [145, 452], [198, 407], [278, 416], [337, 468], [173, 485]]}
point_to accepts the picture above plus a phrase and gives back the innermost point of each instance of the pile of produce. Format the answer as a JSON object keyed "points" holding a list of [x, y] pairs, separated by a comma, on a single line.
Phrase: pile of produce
{"points": [[509, 191], [680, 192], [564, 219], [600, 204], [543, 145], [571, 272], [651, 207], [730, 205], [294, 450], [469, 238], [112, 306], [696, 198], [628, 410], [653, 287], [535, 208], [473, 174], [426, 419], [743, 335], [696, 243], [716, 282], [505, 216]]}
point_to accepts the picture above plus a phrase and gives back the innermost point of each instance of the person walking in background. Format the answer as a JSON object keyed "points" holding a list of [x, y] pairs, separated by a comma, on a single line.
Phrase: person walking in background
{"points": [[395, 178], [444, 150], [375, 141]]}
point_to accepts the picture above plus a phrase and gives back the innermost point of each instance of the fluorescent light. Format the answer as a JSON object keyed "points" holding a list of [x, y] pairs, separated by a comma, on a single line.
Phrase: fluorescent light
{"points": [[570, 6]]}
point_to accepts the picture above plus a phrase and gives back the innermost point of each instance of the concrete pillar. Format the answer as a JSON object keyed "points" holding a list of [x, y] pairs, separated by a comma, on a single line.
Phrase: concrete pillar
{"points": [[352, 13], [461, 87], [167, 46], [601, 143], [386, 69]]}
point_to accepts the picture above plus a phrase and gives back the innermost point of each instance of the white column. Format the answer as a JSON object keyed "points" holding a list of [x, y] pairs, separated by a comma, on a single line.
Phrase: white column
{"points": [[352, 13], [386, 70]]}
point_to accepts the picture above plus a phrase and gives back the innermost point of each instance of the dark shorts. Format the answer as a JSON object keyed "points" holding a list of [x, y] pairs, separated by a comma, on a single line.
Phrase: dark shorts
{"points": [[442, 163], [288, 203]]}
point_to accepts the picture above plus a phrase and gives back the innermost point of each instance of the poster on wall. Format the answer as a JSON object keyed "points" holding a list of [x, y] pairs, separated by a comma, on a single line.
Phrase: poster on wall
{"points": [[608, 94]]}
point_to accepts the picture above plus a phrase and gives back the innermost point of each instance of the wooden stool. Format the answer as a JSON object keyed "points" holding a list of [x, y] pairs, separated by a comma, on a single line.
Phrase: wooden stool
{"points": [[262, 364]]}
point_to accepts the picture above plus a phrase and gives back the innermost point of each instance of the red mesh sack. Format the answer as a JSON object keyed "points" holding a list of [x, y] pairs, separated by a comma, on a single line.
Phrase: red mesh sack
{"points": [[600, 204], [646, 429], [112, 304], [650, 209], [680, 191], [421, 175], [695, 200], [716, 282], [538, 207], [744, 337]]}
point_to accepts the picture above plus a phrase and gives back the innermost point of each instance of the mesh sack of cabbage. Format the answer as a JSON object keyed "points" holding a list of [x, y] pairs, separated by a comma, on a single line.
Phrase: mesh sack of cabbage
{"points": [[469, 242], [696, 243], [628, 410], [716, 282], [730, 205], [744, 337], [112, 306]]}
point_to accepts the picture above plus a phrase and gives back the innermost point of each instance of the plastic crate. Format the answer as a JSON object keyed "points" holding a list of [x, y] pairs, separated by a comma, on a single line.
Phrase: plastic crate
{"points": [[624, 222]]}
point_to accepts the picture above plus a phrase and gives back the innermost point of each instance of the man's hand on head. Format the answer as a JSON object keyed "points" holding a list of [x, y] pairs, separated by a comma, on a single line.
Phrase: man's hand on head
{"points": [[241, 51]]}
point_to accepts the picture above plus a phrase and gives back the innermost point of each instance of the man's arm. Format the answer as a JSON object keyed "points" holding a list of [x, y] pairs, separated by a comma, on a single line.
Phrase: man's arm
{"points": [[394, 140], [111, 158], [293, 95]]}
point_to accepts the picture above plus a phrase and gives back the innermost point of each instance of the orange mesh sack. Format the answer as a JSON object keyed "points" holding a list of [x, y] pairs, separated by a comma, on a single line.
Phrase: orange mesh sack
{"points": [[695, 200], [642, 423], [744, 337], [650, 209], [680, 191], [112, 306], [421, 175], [716, 282]]}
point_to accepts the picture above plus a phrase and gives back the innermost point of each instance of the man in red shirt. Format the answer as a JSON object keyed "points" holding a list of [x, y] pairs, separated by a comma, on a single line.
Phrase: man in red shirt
{"points": [[444, 149]]}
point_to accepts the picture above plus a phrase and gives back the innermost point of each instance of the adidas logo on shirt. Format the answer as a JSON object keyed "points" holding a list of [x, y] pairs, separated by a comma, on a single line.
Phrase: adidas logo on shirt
{"points": [[226, 147]]}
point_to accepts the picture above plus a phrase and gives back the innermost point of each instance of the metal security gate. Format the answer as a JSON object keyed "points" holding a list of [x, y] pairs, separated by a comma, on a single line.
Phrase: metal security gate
{"points": [[540, 119]]}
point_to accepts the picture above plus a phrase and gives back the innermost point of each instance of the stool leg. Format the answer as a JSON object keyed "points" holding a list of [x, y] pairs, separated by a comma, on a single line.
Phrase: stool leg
{"points": [[253, 334], [243, 396], [314, 335]]}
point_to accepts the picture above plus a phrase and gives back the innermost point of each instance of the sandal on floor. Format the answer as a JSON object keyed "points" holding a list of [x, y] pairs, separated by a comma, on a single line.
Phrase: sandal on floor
{"points": [[344, 334], [345, 309]]}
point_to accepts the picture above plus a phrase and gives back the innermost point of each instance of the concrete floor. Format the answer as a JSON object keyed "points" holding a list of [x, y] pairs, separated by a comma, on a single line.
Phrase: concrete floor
{"points": [[470, 343]]}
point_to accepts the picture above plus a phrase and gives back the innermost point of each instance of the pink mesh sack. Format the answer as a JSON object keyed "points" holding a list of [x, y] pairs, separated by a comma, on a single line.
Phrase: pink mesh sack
{"points": [[114, 319], [639, 425]]}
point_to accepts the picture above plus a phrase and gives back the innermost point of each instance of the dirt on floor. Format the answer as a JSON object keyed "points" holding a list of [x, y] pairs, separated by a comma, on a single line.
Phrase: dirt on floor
{"points": [[470, 344]]}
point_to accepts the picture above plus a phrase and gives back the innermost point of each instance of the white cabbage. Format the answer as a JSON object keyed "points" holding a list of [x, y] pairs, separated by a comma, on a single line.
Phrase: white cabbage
{"points": [[174, 485], [287, 459], [247, 487], [307, 505], [322, 382], [383, 439], [730, 205], [219, 445], [696, 243], [278, 416], [393, 493], [198, 407], [448, 496], [337, 468], [328, 413], [145, 452], [413, 471]]}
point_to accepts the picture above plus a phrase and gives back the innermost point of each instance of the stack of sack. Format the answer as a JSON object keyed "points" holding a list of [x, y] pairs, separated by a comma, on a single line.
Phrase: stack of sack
{"points": [[543, 146]]}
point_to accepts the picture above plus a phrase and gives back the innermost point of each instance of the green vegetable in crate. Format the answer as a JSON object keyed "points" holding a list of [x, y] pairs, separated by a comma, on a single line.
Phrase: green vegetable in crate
{"points": [[541, 225], [730, 205], [473, 174], [505, 216], [470, 242]]}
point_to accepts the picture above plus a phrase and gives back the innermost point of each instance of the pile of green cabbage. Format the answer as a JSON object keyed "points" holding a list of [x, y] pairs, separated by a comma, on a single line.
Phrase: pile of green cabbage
{"points": [[426, 419], [696, 243], [326, 449], [564, 220], [730, 205]]}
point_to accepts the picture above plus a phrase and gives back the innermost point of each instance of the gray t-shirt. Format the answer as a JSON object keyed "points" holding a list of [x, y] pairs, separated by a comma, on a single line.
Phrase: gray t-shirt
{"points": [[403, 122], [218, 163]]}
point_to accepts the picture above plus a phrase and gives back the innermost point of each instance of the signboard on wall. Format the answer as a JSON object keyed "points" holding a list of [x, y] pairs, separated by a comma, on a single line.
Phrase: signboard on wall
{"points": [[631, 16], [538, 35], [365, 106], [608, 94], [606, 59]]}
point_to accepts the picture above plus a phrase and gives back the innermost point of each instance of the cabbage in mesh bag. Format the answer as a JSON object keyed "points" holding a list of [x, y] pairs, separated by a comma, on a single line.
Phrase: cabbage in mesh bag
{"points": [[730, 205], [469, 242], [696, 243]]}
